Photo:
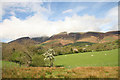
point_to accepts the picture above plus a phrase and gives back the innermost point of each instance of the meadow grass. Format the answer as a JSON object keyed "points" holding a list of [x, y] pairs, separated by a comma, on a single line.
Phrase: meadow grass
{"points": [[102, 58], [81, 65], [7, 64]]}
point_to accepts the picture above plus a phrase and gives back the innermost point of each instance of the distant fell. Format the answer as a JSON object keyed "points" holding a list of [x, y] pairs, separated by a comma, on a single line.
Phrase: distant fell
{"points": [[72, 37]]}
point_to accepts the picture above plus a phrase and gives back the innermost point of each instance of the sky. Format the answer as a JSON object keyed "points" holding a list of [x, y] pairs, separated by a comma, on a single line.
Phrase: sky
{"points": [[35, 19]]}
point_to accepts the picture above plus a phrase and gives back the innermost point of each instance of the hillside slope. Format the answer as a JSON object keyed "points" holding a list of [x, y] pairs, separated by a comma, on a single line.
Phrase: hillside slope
{"points": [[65, 38]]}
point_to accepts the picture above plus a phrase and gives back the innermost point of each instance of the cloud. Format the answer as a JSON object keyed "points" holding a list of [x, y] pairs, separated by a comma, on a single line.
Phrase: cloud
{"points": [[80, 8], [74, 10], [37, 25], [1, 12], [31, 7], [112, 15], [21, 1], [67, 11]]}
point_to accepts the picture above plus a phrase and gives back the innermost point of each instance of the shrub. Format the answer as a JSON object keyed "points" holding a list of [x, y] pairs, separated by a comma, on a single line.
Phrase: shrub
{"points": [[18, 57], [37, 61]]}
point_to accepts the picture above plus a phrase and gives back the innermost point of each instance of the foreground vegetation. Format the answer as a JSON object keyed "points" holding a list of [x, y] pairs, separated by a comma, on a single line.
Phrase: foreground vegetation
{"points": [[46, 72]]}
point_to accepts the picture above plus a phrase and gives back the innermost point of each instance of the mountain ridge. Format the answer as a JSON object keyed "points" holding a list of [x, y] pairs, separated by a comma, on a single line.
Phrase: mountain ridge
{"points": [[97, 37]]}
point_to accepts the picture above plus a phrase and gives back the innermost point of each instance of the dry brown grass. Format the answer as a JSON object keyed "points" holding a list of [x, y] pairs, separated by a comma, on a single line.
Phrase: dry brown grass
{"points": [[89, 39], [54, 72]]}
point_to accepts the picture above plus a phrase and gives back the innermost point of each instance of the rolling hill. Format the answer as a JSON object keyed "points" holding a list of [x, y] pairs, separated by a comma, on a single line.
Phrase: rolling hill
{"points": [[65, 38], [62, 43]]}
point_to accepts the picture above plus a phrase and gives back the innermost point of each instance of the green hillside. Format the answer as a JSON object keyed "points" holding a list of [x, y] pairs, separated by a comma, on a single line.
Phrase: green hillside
{"points": [[103, 58], [80, 44]]}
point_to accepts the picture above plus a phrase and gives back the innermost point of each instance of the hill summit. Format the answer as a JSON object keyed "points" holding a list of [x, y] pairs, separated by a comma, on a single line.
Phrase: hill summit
{"points": [[66, 38]]}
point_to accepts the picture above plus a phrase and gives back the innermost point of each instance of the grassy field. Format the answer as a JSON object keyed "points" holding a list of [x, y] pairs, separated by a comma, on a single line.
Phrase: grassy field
{"points": [[6, 64], [102, 58], [81, 65]]}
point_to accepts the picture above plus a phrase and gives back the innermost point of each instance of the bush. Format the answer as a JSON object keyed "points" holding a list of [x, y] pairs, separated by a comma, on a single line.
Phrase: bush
{"points": [[37, 61], [18, 57]]}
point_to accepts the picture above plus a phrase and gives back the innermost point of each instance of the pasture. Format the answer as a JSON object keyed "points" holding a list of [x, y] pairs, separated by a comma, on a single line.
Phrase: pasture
{"points": [[102, 58], [82, 65], [7, 64]]}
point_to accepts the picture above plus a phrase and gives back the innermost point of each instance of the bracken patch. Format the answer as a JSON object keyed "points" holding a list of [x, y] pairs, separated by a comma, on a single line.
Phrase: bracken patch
{"points": [[46, 72]]}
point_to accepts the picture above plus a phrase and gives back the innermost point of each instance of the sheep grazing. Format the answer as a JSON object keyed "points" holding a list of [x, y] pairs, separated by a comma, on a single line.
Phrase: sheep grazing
{"points": [[91, 55], [105, 54]]}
